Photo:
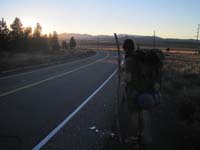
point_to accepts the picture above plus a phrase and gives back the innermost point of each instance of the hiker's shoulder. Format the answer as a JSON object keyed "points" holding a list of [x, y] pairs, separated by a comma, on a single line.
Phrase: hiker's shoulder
{"points": [[159, 53], [149, 53]]}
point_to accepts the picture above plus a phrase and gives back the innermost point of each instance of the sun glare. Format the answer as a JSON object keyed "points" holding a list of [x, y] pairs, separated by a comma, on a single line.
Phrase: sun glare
{"points": [[31, 22], [28, 22]]}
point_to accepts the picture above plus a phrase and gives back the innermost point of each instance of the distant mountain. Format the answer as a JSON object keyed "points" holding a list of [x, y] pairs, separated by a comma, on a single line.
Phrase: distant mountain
{"points": [[67, 36], [141, 40]]}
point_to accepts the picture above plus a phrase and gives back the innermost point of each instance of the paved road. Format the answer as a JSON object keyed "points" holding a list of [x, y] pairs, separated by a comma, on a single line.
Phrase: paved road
{"points": [[54, 107]]}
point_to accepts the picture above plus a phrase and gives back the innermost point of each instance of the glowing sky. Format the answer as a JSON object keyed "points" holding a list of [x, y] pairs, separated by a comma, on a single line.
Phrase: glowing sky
{"points": [[170, 18]]}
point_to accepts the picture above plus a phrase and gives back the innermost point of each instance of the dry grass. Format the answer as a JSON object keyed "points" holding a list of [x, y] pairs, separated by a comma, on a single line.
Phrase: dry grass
{"points": [[182, 84], [24, 59]]}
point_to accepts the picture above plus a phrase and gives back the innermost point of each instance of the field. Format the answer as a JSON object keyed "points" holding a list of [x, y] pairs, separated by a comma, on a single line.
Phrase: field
{"points": [[181, 86]]}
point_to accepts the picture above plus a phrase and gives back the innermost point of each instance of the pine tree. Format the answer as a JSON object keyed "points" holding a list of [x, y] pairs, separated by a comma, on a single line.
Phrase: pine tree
{"points": [[72, 43], [3, 27], [28, 32], [54, 41], [44, 42], [4, 35], [39, 42], [27, 38], [37, 31], [17, 29], [16, 35]]}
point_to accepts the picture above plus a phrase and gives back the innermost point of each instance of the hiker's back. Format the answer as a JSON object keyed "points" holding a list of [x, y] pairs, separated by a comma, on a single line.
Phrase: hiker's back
{"points": [[143, 68]]}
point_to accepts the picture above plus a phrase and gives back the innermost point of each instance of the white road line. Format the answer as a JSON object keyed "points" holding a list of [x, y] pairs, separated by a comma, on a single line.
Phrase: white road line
{"points": [[51, 78], [67, 119], [58, 65], [7, 71]]}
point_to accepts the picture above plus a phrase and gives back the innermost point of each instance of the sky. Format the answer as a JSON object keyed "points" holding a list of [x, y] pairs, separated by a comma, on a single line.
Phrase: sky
{"points": [[169, 18]]}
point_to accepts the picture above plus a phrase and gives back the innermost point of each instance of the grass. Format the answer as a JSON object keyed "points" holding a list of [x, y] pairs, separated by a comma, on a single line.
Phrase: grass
{"points": [[10, 60], [182, 84]]}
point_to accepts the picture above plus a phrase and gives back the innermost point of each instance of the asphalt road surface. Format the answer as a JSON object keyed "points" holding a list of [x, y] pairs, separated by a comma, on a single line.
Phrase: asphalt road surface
{"points": [[66, 106]]}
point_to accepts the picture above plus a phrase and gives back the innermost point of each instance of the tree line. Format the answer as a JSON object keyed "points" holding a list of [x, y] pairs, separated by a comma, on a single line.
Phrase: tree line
{"points": [[19, 38]]}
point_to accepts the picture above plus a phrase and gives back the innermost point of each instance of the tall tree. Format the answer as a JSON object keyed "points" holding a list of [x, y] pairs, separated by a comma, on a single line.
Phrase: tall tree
{"points": [[54, 41], [37, 31], [50, 40], [4, 32], [72, 42], [27, 38], [28, 32], [39, 42], [16, 35], [3, 27], [44, 42], [17, 28]]}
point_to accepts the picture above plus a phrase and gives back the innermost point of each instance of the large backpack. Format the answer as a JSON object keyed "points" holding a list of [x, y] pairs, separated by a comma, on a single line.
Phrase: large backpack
{"points": [[145, 68]]}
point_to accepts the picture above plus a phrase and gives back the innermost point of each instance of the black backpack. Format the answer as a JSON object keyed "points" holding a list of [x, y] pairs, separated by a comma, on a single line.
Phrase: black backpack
{"points": [[145, 67]]}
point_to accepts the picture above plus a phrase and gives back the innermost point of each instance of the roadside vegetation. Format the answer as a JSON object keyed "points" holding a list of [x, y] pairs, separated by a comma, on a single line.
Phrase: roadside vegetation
{"points": [[181, 85], [20, 60]]}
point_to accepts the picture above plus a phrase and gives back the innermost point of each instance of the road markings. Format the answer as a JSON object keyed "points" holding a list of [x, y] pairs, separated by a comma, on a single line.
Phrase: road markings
{"points": [[68, 118], [51, 78], [58, 65]]}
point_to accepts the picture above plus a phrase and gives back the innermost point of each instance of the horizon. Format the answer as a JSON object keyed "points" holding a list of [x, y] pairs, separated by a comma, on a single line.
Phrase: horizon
{"points": [[168, 18], [174, 38]]}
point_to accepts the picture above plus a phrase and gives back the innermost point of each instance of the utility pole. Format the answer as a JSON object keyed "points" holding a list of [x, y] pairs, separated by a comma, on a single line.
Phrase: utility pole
{"points": [[197, 38], [154, 39], [98, 43]]}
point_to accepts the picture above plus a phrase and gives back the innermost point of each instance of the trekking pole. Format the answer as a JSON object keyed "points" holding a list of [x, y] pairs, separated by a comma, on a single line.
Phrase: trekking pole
{"points": [[119, 54], [141, 126], [118, 89]]}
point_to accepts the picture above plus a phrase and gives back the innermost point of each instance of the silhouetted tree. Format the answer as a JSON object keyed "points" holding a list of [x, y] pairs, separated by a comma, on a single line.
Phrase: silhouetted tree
{"points": [[27, 38], [50, 40], [28, 32], [54, 41], [45, 44], [37, 31], [64, 44], [16, 34], [17, 29], [72, 42], [39, 42], [19, 38], [4, 35]]}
